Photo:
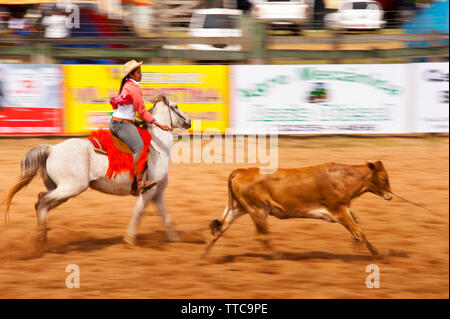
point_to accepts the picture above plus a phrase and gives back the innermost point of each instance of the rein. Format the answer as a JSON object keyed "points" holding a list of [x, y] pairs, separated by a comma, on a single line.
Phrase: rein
{"points": [[170, 116], [171, 126], [398, 196], [406, 200]]}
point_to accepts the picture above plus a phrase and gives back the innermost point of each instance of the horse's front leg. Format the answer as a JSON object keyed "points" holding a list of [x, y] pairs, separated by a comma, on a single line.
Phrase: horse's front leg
{"points": [[167, 222], [143, 200]]}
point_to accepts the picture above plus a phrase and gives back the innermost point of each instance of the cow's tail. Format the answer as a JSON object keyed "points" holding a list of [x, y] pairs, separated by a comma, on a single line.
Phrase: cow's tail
{"points": [[31, 163], [216, 224]]}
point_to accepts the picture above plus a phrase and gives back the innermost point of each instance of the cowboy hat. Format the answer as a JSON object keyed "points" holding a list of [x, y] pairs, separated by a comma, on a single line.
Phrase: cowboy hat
{"points": [[130, 66]]}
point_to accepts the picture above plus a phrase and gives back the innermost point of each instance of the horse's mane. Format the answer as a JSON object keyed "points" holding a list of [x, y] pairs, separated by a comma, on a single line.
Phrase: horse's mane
{"points": [[156, 99]]}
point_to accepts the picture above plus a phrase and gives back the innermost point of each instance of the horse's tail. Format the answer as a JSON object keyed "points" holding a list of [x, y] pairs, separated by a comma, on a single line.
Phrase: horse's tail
{"points": [[31, 163]]}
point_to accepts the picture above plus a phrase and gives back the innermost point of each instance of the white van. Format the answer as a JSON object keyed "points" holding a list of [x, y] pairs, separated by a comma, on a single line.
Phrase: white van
{"points": [[356, 15], [284, 14]]}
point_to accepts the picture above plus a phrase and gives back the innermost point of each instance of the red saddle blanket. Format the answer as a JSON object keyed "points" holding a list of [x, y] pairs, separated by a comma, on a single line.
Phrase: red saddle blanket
{"points": [[118, 160]]}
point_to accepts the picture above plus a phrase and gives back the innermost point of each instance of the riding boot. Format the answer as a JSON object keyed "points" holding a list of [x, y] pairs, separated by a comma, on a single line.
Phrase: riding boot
{"points": [[142, 183]]}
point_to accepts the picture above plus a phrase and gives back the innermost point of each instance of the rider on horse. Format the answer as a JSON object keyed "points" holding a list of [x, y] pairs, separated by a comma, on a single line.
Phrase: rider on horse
{"points": [[123, 124]]}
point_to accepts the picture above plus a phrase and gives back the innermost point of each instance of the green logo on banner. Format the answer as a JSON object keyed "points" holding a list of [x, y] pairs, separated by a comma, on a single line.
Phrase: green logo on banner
{"points": [[310, 74]]}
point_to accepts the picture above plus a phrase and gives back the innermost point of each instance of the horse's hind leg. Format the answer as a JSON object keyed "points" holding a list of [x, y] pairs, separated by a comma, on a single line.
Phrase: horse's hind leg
{"points": [[40, 204], [50, 200], [49, 184]]}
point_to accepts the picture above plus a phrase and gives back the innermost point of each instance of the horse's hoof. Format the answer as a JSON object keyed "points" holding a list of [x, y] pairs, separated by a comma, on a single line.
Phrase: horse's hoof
{"points": [[276, 255], [40, 242], [41, 236], [173, 236], [129, 240]]}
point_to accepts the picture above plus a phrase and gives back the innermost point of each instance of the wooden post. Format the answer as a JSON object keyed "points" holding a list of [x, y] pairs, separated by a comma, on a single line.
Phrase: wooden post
{"points": [[336, 45], [435, 42], [254, 39], [42, 54]]}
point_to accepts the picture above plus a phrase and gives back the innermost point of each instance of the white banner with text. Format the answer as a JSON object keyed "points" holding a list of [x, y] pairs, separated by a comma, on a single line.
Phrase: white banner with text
{"points": [[338, 99]]}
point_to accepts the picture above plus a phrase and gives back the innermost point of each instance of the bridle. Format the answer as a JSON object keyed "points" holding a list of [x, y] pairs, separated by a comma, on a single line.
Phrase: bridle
{"points": [[170, 115], [171, 122], [169, 108]]}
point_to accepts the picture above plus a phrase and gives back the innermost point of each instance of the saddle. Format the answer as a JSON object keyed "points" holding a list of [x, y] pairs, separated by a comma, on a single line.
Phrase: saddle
{"points": [[118, 142], [120, 155], [121, 145]]}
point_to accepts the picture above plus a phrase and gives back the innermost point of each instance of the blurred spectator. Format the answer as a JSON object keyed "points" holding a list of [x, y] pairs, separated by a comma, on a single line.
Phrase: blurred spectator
{"points": [[214, 3], [391, 13], [4, 17], [55, 25], [244, 5], [319, 11], [16, 23]]}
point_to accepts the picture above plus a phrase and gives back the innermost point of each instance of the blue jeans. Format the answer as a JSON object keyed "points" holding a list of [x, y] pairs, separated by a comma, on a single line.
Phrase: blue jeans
{"points": [[128, 133]]}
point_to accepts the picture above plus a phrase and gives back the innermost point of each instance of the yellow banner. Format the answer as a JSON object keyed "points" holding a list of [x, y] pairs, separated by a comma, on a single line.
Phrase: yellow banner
{"points": [[200, 91]]}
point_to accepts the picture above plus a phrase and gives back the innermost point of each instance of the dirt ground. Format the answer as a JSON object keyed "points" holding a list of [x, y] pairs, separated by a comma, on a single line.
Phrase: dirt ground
{"points": [[317, 259]]}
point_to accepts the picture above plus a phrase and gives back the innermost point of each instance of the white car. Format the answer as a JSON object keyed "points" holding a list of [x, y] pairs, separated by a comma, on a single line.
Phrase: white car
{"points": [[356, 15], [281, 14], [213, 23]]}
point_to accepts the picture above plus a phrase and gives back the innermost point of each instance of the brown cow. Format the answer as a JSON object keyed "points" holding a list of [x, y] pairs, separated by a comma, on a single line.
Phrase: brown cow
{"points": [[322, 191]]}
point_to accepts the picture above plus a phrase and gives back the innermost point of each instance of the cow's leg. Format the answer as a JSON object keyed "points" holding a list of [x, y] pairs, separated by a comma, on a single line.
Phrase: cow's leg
{"points": [[344, 217], [218, 227], [259, 216], [355, 239], [353, 217]]}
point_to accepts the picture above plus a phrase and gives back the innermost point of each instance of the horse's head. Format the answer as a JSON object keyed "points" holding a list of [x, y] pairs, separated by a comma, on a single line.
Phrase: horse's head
{"points": [[166, 112]]}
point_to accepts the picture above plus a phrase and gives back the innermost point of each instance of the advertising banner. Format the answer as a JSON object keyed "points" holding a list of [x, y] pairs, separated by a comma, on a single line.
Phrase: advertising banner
{"points": [[200, 91], [319, 99], [431, 97], [31, 99]]}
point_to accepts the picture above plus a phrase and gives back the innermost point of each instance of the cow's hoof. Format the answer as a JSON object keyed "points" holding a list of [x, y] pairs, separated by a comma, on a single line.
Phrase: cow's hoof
{"points": [[357, 245], [206, 252]]}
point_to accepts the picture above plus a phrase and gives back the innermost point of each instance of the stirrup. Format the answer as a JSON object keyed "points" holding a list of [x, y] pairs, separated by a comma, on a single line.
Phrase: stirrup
{"points": [[145, 186]]}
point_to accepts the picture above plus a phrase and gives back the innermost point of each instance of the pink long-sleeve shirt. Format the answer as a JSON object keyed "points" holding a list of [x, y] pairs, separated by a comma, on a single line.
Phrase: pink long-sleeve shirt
{"points": [[131, 101]]}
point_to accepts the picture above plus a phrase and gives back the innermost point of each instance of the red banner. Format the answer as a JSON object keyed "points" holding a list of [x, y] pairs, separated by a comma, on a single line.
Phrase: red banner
{"points": [[31, 99], [30, 120]]}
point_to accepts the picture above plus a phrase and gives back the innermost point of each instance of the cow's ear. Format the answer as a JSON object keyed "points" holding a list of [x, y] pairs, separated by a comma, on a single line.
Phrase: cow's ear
{"points": [[371, 165], [379, 165]]}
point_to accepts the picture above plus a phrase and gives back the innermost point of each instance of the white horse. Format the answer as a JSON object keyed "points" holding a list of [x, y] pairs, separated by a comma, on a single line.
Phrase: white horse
{"points": [[72, 166]]}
